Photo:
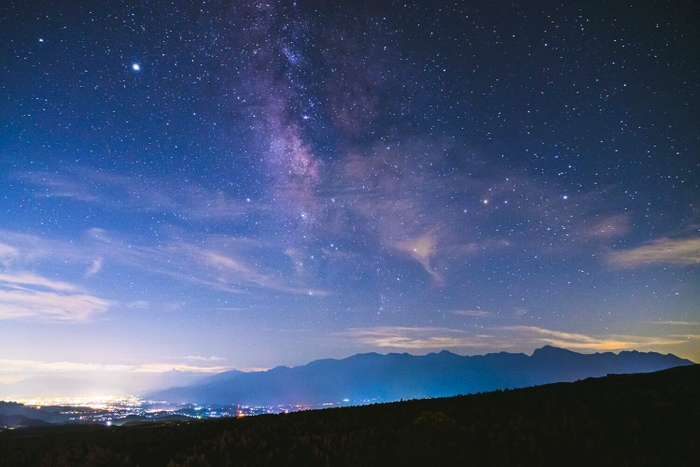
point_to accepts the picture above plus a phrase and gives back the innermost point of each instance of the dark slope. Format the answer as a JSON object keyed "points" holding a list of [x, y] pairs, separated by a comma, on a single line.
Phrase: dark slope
{"points": [[640, 419], [373, 377], [13, 415], [20, 421]]}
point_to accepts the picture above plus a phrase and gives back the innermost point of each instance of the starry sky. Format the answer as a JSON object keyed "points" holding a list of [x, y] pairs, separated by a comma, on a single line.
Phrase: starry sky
{"points": [[214, 185]]}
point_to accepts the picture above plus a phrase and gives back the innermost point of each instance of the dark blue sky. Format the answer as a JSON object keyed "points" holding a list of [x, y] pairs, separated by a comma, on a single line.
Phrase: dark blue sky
{"points": [[219, 184]]}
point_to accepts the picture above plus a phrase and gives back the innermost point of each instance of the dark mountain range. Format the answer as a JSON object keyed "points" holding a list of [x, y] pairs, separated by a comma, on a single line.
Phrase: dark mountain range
{"points": [[650, 419], [20, 421], [13, 414], [373, 377]]}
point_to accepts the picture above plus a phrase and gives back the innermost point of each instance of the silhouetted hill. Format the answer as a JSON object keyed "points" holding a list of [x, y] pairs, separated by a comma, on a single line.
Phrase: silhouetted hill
{"points": [[617, 420], [374, 377], [14, 415], [137, 420], [19, 421]]}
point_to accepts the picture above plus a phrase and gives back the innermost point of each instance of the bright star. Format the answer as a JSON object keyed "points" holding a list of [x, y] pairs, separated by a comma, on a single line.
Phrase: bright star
{"points": [[136, 67]]}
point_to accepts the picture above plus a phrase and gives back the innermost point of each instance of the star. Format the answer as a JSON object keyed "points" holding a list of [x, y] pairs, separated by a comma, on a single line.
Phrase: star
{"points": [[136, 67]]}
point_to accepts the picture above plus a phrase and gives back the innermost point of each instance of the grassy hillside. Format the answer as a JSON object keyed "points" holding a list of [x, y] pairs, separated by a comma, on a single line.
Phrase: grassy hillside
{"points": [[643, 419]]}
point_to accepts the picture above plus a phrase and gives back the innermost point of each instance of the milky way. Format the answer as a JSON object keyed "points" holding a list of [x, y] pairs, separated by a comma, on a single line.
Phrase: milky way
{"points": [[209, 185]]}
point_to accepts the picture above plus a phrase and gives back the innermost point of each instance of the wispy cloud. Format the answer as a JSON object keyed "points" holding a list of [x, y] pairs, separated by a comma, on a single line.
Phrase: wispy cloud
{"points": [[204, 367], [120, 192], [178, 260], [25, 368], [197, 358], [421, 249], [578, 341], [17, 304], [246, 274], [64, 185], [94, 268], [7, 252], [227, 262], [519, 338], [474, 313], [424, 338], [254, 369], [31, 280], [30, 367], [668, 251], [399, 198], [607, 227], [677, 323], [29, 249], [231, 308], [395, 196], [220, 261], [184, 367], [28, 296]]}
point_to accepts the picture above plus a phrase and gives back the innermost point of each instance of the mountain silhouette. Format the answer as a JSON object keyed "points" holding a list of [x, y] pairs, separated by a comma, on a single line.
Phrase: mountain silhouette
{"points": [[372, 377]]}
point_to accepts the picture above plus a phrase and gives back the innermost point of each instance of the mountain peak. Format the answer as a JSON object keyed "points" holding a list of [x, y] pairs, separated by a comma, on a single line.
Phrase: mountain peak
{"points": [[549, 350]]}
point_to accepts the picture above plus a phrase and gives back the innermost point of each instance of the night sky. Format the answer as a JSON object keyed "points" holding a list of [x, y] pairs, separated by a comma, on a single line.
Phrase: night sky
{"points": [[215, 185]]}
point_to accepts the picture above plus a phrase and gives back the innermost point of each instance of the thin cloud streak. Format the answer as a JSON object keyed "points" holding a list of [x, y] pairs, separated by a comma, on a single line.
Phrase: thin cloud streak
{"points": [[183, 367], [26, 368], [584, 342], [222, 272], [665, 251], [24, 296], [17, 304], [426, 338], [169, 258], [473, 313], [198, 358], [36, 281], [29, 367], [677, 323], [94, 268], [501, 338], [7, 252], [421, 249], [254, 369], [248, 275], [121, 192]]}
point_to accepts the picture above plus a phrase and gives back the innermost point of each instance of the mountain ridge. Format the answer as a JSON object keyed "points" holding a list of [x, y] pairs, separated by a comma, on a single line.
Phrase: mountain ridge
{"points": [[373, 377]]}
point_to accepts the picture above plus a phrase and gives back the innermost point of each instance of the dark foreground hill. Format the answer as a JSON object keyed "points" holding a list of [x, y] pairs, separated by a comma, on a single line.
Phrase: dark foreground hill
{"points": [[618, 420], [375, 377]]}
